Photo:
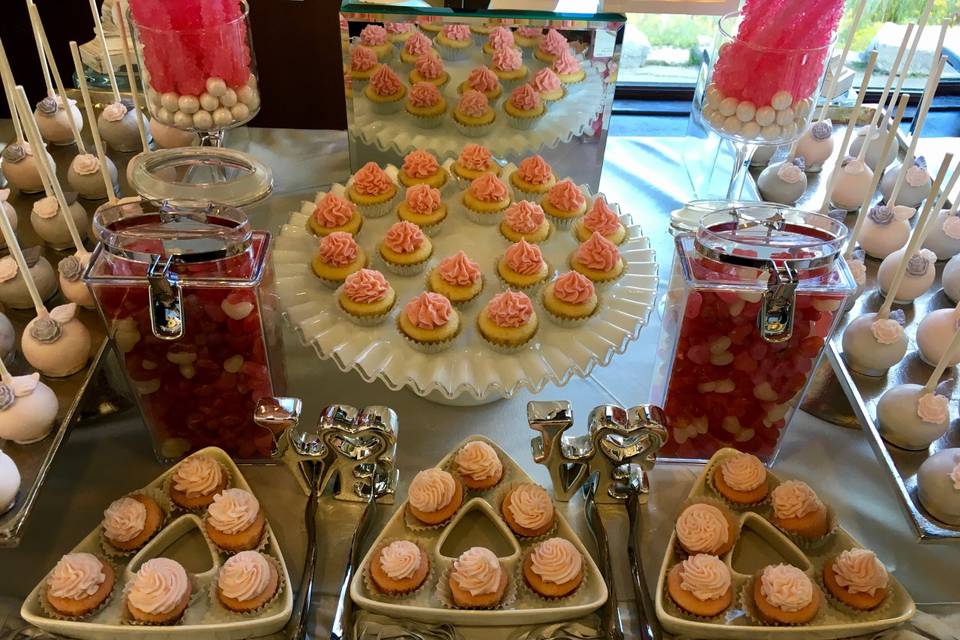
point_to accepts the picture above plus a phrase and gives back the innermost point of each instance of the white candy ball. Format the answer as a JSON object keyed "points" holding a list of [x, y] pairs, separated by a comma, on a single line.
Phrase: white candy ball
{"points": [[746, 110], [713, 96], [164, 115], [222, 117], [182, 120], [240, 111], [789, 129], [803, 107], [216, 86], [708, 111], [728, 106], [189, 104], [229, 98], [731, 124], [781, 100], [202, 120], [245, 94], [208, 102], [766, 116], [254, 103], [771, 132], [153, 97], [750, 130], [170, 101], [785, 117], [716, 120], [252, 80]]}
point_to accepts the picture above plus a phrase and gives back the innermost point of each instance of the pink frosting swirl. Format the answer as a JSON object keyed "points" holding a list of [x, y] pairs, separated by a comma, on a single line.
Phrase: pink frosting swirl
{"points": [[556, 560], [366, 286], [488, 188], [458, 270], [566, 62], [431, 490], [423, 199], [124, 519], [338, 249], [565, 196], [404, 237], [951, 227], [507, 59], [385, 82], [362, 59], [859, 571], [233, 510], [430, 66], [417, 44], [553, 43], [510, 309], [743, 472], [456, 32], [598, 253], [524, 258], [794, 499], [371, 180], [479, 461], [400, 559], [886, 331], [76, 576], [525, 98], [198, 476], [475, 157], [333, 211], [501, 38], [244, 576], [86, 163], [530, 32], [477, 571], [530, 505], [702, 528], [573, 288], [545, 80], [786, 587], [473, 103], [428, 311], [398, 27], [524, 216], [601, 218], [114, 112], [159, 586], [373, 35], [705, 576], [933, 408], [420, 164], [535, 170], [483, 79]]}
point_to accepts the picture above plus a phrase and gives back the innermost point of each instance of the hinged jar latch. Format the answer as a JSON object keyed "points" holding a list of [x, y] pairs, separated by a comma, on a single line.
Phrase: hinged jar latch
{"points": [[166, 300], [777, 307]]}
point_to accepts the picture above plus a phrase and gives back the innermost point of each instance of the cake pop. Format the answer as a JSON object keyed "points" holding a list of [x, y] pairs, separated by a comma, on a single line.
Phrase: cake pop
{"points": [[83, 176], [873, 155], [13, 289], [167, 137], [883, 232], [72, 285], [858, 269], [56, 343], [19, 167], [9, 482], [118, 126], [139, 117], [950, 279], [783, 182], [8, 211], [872, 344], [816, 145], [28, 407], [944, 234], [938, 485], [919, 277], [54, 120], [8, 337], [50, 224], [763, 154], [852, 185], [934, 334], [916, 186], [911, 417]]}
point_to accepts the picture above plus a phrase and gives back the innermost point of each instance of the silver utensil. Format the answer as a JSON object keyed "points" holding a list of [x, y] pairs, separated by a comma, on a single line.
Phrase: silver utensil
{"points": [[647, 614], [610, 624]]}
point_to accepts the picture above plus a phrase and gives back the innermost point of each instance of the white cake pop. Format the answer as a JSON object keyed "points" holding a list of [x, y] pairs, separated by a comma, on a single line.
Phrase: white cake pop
{"points": [[167, 137], [876, 147], [950, 278], [9, 482], [910, 417], [763, 154], [52, 118], [872, 345], [118, 126], [28, 408], [816, 145], [57, 344], [84, 176], [20, 169], [13, 289], [943, 238], [883, 232], [8, 211], [852, 186], [8, 337], [938, 485], [783, 182], [920, 275], [72, 285], [916, 185], [934, 334], [47, 221]]}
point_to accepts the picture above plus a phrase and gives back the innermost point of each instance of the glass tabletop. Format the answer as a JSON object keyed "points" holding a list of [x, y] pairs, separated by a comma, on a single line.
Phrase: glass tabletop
{"points": [[565, 11]]}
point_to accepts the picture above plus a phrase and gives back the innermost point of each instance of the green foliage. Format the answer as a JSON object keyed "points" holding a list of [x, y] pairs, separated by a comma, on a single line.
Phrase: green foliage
{"points": [[904, 11], [664, 30]]}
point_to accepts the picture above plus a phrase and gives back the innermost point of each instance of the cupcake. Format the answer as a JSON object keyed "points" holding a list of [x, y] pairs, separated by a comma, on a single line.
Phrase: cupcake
{"points": [[372, 190], [333, 214], [338, 255], [524, 108], [564, 203], [426, 105], [130, 521], [522, 266], [366, 297], [548, 85], [385, 91], [376, 38], [783, 594], [601, 219], [398, 568], [741, 479], [363, 63], [195, 481], [568, 68], [525, 220], [480, 31], [454, 41], [598, 259], [429, 68], [235, 521], [485, 81], [477, 580], [429, 322], [430, 24], [473, 114], [554, 569], [434, 496], [507, 65], [486, 198], [78, 585], [499, 38], [857, 579], [701, 585], [528, 510], [798, 511], [551, 46], [706, 528], [421, 167], [405, 249], [478, 465], [533, 178], [528, 38], [159, 592], [399, 32], [508, 322], [570, 299], [247, 581], [457, 277], [415, 46], [475, 160], [423, 207]]}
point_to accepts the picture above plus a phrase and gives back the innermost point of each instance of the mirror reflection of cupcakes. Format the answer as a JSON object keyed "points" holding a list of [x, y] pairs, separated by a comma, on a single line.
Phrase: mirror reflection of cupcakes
{"points": [[551, 46], [429, 68], [568, 68], [415, 46], [508, 66], [473, 115], [377, 39], [524, 108], [484, 80], [454, 42], [548, 85], [500, 38], [426, 105], [527, 38], [363, 64], [385, 91]]}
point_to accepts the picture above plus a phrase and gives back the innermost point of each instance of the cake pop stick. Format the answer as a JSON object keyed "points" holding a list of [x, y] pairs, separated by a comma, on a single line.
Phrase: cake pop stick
{"points": [[834, 77], [43, 61], [905, 70], [6, 75], [941, 199], [942, 364], [886, 90], [92, 118], [128, 66], [107, 62]]}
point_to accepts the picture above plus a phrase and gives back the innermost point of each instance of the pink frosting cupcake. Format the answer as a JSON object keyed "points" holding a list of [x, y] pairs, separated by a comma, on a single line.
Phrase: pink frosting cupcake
{"points": [[522, 267], [415, 46], [551, 46], [568, 68], [533, 178], [372, 190], [429, 323], [333, 213], [405, 249], [527, 38], [400, 32], [366, 297], [499, 38], [600, 219], [426, 105], [508, 322], [473, 115], [376, 38], [454, 42], [485, 81], [508, 66], [429, 68], [485, 199], [475, 160], [548, 85], [338, 255], [598, 259], [385, 91], [458, 278], [363, 63], [570, 300], [421, 167], [423, 207], [525, 220], [564, 203], [524, 108]]}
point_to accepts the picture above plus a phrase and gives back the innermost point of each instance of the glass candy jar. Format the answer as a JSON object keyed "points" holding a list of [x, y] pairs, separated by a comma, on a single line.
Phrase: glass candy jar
{"points": [[753, 297], [186, 293]]}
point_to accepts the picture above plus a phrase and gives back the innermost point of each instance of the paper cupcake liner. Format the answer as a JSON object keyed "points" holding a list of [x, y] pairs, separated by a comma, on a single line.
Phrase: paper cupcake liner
{"points": [[676, 611], [176, 509], [433, 229], [679, 552], [374, 592], [430, 347], [196, 588], [381, 209], [482, 218], [386, 108], [461, 304], [525, 588], [260, 546], [216, 605], [404, 269], [453, 54], [523, 124], [158, 496], [446, 597], [531, 241], [562, 223], [881, 612], [812, 543], [569, 323], [497, 501], [507, 349], [51, 613], [364, 321], [750, 608], [772, 483], [513, 83], [427, 122], [566, 92], [531, 290], [522, 194], [474, 130]]}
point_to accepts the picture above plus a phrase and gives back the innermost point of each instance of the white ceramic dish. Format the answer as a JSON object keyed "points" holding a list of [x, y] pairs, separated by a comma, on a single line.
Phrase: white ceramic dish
{"points": [[761, 544], [182, 540], [478, 523]]}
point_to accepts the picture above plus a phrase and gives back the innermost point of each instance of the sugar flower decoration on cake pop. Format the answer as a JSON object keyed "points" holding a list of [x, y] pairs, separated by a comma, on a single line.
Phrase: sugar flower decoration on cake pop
{"points": [[920, 262], [70, 268], [955, 476], [49, 328], [951, 227], [792, 172], [917, 175], [858, 269], [48, 106], [933, 408], [853, 166], [16, 152], [888, 330], [881, 214], [822, 130]]}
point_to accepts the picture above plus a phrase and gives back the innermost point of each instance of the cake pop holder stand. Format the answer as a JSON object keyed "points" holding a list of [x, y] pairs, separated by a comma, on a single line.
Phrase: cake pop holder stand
{"points": [[469, 372]]}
